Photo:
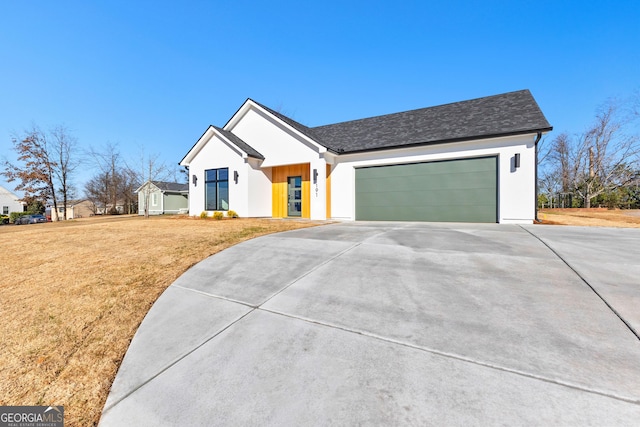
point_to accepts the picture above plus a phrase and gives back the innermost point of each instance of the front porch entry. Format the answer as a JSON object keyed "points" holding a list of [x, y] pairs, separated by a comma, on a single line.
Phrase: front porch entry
{"points": [[291, 191]]}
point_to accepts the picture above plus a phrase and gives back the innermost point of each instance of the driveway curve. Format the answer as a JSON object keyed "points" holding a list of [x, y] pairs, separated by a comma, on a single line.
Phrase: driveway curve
{"points": [[394, 323]]}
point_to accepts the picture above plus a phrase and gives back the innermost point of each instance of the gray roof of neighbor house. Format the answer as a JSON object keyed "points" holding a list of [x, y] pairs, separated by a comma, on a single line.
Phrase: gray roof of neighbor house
{"points": [[171, 186], [507, 114]]}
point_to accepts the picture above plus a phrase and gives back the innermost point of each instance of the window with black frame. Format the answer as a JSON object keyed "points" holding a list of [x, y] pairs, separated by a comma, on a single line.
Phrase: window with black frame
{"points": [[216, 187]]}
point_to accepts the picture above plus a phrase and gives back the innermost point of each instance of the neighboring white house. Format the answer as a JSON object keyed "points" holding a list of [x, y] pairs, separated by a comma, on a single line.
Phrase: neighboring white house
{"points": [[469, 161], [164, 197], [9, 202]]}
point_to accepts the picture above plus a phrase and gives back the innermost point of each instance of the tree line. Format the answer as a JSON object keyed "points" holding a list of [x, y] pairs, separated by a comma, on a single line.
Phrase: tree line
{"points": [[598, 167], [47, 163]]}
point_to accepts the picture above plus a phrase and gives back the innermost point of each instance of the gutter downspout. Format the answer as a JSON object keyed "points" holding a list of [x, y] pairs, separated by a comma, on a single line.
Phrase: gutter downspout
{"points": [[535, 206]]}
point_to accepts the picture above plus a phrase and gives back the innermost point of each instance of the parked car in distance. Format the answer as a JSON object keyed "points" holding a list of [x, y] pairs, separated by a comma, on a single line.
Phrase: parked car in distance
{"points": [[30, 219], [4, 219]]}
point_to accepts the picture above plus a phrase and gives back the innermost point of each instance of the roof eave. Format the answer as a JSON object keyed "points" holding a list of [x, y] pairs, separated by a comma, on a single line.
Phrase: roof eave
{"points": [[211, 130], [446, 141], [186, 160], [245, 154]]}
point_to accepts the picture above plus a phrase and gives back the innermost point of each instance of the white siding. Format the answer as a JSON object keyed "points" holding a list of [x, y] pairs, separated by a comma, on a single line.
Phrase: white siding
{"points": [[319, 190], [10, 200], [278, 144], [259, 190], [218, 154], [516, 187]]}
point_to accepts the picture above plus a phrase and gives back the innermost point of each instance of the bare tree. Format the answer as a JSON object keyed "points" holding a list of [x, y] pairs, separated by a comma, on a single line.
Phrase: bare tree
{"points": [[109, 163], [128, 185], [545, 149], [180, 174], [38, 168], [548, 184], [556, 180], [97, 191], [606, 155], [598, 162], [149, 169], [63, 148], [565, 159]]}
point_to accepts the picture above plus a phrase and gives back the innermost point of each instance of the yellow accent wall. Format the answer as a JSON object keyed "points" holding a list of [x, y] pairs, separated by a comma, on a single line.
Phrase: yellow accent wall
{"points": [[279, 189]]}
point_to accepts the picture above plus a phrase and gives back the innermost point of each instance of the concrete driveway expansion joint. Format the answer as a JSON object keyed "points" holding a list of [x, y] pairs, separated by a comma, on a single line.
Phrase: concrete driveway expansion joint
{"points": [[316, 267], [586, 282]]}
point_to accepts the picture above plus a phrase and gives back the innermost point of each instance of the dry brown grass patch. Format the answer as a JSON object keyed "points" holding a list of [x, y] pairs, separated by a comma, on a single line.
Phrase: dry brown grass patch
{"points": [[594, 217], [73, 294]]}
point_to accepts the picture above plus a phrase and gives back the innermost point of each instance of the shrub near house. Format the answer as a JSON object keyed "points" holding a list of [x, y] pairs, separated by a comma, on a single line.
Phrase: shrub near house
{"points": [[13, 216]]}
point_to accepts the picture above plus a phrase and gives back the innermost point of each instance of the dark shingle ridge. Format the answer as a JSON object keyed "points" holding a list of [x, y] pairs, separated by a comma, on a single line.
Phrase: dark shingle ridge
{"points": [[171, 186], [507, 114], [252, 152]]}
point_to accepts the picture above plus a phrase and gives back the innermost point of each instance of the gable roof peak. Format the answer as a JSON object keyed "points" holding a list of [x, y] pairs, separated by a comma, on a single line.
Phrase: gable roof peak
{"points": [[301, 129], [6, 192], [288, 120]]}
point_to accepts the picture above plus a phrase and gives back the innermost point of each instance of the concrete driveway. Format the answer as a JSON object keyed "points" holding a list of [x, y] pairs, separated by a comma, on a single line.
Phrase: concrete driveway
{"points": [[395, 324]]}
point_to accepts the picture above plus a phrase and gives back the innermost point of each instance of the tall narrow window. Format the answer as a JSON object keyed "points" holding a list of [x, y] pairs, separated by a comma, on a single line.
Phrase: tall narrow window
{"points": [[216, 187]]}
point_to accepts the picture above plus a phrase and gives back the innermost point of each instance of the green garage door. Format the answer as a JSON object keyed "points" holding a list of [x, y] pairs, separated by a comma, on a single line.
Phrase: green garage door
{"points": [[463, 190]]}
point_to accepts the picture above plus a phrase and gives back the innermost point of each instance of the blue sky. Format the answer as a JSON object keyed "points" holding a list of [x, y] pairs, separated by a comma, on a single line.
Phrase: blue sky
{"points": [[155, 74]]}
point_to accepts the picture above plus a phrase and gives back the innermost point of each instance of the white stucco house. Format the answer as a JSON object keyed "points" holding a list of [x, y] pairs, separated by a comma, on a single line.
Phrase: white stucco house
{"points": [[469, 161], [9, 202]]}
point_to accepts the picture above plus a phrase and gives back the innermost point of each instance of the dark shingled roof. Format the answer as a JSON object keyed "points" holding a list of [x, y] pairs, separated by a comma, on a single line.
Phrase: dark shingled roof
{"points": [[511, 113], [171, 186], [252, 152], [500, 115]]}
